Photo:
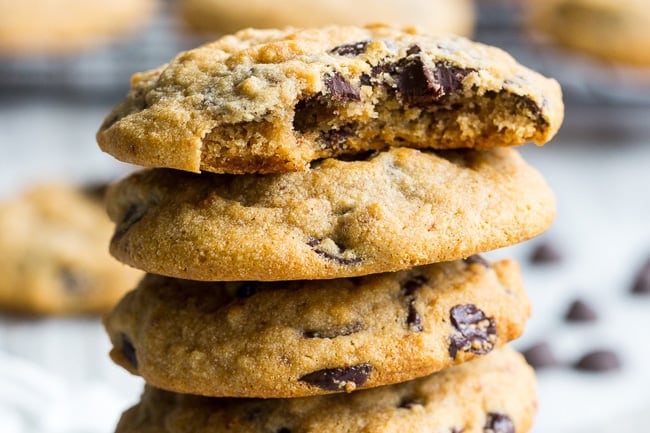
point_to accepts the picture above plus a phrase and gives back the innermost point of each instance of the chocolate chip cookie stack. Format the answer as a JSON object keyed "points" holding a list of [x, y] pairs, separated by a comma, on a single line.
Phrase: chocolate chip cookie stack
{"points": [[349, 176]]}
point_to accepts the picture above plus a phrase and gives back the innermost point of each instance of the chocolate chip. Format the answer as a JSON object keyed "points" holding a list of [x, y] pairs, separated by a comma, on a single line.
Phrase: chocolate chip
{"points": [[545, 253], [530, 105], [336, 379], [450, 78], [598, 361], [408, 288], [128, 351], [336, 138], [283, 430], [540, 356], [247, 289], [341, 89], [409, 402], [476, 333], [498, 423], [132, 215], [336, 255], [641, 284], [73, 281], [580, 311], [420, 85], [348, 329], [353, 49], [477, 258], [413, 49]]}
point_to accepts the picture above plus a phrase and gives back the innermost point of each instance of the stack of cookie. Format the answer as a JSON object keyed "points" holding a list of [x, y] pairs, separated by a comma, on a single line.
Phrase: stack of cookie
{"points": [[349, 178]]}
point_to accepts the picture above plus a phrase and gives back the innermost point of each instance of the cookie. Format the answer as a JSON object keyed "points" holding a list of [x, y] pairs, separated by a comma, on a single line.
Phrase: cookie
{"points": [[283, 339], [31, 27], [273, 101], [613, 30], [389, 211], [53, 255], [227, 16], [493, 394]]}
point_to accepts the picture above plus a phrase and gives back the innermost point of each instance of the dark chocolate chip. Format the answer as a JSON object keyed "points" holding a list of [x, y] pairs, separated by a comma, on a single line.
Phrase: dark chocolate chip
{"points": [[132, 215], [283, 430], [128, 351], [336, 379], [580, 311], [337, 256], [247, 289], [449, 77], [412, 284], [530, 105], [498, 423], [641, 284], [353, 49], [408, 289], [413, 319], [409, 402], [413, 49], [341, 89], [598, 361], [476, 333], [73, 281], [336, 138], [545, 253], [540, 356], [420, 85], [477, 258], [348, 329], [383, 68]]}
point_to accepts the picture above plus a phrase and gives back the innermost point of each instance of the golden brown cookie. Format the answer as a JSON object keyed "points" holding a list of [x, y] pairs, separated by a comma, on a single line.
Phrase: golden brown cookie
{"points": [[493, 394], [275, 100], [389, 211], [293, 339], [53, 255]]}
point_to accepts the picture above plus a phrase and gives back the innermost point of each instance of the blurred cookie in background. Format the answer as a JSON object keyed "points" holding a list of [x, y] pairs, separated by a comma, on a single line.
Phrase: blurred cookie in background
{"points": [[613, 30], [53, 255], [227, 16], [62, 26]]}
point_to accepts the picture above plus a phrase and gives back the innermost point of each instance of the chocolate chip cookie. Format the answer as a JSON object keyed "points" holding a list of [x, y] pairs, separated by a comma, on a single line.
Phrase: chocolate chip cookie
{"points": [[493, 394], [227, 16], [271, 101], [53, 256], [292, 339], [389, 211]]}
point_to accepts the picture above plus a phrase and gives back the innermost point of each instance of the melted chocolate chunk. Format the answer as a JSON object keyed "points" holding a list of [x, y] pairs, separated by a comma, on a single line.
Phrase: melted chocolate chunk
{"points": [[132, 215], [477, 258], [641, 284], [409, 402], [580, 311], [353, 49], [408, 289], [599, 361], [545, 253], [247, 289], [336, 379], [340, 88], [348, 329], [540, 356], [128, 351], [420, 85], [337, 256], [498, 423], [476, 333]]}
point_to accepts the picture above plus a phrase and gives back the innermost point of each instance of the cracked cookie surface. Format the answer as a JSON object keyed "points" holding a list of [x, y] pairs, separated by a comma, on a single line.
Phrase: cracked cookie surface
{"points": [[390, 211], [274, 100], [292, 339], [493, 394]]}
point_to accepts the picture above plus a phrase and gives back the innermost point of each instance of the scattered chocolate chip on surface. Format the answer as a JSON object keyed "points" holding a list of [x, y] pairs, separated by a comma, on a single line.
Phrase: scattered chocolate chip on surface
{"points": [[599, 361], [540, 356], [641, 285], [339, 379], [545, 253], [581, 311]]}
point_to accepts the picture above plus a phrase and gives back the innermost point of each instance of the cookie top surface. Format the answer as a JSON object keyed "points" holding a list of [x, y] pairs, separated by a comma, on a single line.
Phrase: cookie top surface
{"points": [[302, 338], [391, 211], [271, 101], [53, 254], [226, 16], [493, 394]]}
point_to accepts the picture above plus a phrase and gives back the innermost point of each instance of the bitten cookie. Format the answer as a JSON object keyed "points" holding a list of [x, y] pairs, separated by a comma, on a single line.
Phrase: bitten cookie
{"points": [[615, 30], [31, 27], [314, 337], [227, 16], [272, 101], [494, 394], [53, 255], [390, 211]]}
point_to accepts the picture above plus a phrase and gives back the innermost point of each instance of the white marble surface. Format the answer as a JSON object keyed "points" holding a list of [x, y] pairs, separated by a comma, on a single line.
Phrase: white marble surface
{"points": [[55, 375]]}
